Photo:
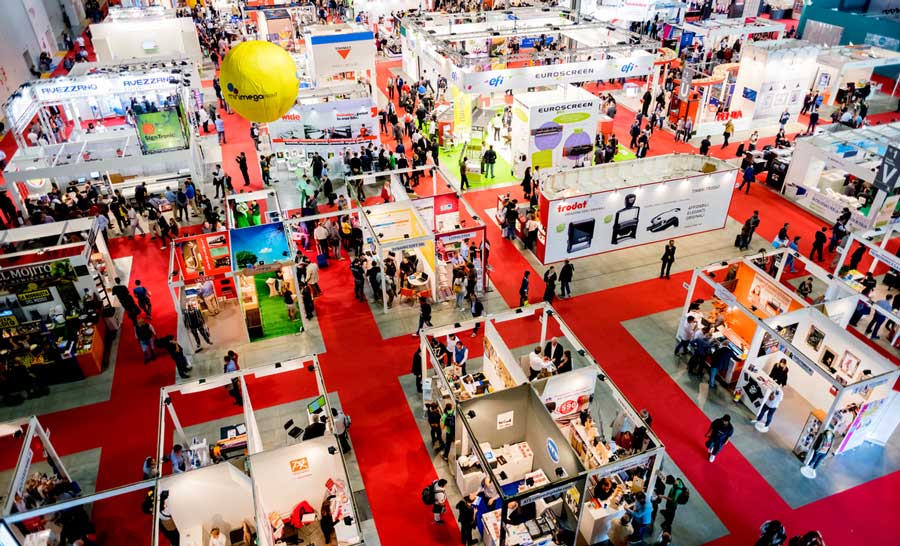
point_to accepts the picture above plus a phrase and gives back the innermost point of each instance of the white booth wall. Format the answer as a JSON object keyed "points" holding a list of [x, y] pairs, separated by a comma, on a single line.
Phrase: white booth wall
{"points": [[22, 35], [173, 37], [773, 76], [226, 493]]}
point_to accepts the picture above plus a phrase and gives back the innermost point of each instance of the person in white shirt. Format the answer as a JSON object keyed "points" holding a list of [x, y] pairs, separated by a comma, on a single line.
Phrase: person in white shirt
{"points": [[216, 538], [535, 363], [767, 411], [341, 425], [686, 332]]}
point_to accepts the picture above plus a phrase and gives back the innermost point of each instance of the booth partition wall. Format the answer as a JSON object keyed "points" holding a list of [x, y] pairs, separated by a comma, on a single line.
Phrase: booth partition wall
{"points": [[539, 451]]}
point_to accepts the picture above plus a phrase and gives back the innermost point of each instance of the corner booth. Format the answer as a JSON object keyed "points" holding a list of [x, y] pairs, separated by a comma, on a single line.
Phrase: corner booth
{"points": [[55, 311], [397, 231], [847, 69], [113, 128], [283, 24], [485, 58], [598, 209], [340, 53], [459, 238], [840, 169], [546, 447], [773, 77], [265, 473], [835, 386], [144, 33]]}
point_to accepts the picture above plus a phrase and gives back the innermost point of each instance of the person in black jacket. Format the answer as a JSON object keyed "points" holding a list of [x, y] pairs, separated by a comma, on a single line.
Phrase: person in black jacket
{"points": [[466, 519], [477, 309], [417, 368], [821, 238], [779, 373], [424, 314], [565, 277], [550, 284], [523, 289], [554, 351], [668, 258]]}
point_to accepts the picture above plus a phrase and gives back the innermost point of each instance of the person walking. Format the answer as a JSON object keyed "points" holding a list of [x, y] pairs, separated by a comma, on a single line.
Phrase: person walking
{"points": [[241, 160], [818, 245], [813, 121], [729, 130], [146, 336], [878, 318], [785, 117], [424, 315], [439, 499], [749, 229], [134, 221], [720, 360], [523, 289], [417, 369], [434, 422], [718, 434], [477, 309], [176, 351], [668, 258], [678, 494], [220, 129], [767, 410], [704, 145], [143, 298], [565, 278], [123, 294], [686, 334], [748, 177]]}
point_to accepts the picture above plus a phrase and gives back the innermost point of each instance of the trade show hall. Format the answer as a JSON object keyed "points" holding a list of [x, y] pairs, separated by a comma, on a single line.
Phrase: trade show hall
{"points": [[496, 274]]}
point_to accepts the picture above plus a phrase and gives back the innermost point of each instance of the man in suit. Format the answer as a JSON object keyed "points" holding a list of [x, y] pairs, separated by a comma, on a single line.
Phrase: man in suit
{"points": [[554, 351]]}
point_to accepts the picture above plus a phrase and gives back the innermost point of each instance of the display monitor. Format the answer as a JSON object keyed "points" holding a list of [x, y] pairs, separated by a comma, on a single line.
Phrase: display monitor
{"points": [[316, 405]]}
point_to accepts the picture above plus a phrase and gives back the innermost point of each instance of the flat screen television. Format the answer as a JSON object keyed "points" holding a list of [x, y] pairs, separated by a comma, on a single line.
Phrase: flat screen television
{"points": [[316, 405]]}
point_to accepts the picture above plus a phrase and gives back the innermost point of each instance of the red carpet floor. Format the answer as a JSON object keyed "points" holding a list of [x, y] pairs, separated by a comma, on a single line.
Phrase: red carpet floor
{"points": [[395, 464]]}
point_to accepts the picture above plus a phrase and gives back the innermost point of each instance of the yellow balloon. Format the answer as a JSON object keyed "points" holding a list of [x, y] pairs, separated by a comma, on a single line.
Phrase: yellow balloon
{"points": [[259, 80], [191, 3]]}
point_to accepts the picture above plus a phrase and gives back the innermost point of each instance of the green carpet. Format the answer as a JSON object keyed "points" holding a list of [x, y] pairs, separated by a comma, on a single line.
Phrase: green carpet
{"points": [[273, 311], [502, 169]]}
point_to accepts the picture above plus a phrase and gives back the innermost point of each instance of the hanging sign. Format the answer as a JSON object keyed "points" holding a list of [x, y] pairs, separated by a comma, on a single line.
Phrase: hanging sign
{"points": [[46, 274], [889, 172], [34, 295]]}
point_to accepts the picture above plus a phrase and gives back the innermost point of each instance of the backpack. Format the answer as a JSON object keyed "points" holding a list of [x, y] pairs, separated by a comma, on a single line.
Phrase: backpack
{"points": [[685, 495], [428, 494]]}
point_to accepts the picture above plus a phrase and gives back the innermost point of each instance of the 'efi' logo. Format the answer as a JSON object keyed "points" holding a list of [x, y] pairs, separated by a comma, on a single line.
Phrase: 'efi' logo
{"points": [[627, 68], [496, 81]]}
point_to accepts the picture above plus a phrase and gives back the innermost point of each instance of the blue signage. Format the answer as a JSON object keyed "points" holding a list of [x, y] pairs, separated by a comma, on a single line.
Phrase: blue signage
{"points": [[552, 450]]}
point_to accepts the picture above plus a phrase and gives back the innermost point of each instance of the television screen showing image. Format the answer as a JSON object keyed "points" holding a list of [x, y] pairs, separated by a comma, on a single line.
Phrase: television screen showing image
{"points": [[316, 405]]}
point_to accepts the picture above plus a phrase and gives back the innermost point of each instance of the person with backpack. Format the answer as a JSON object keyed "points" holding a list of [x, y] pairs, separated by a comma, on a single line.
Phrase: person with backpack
{"points": [[435, 495], [341, 428], [771, 533], [448, 422], [678, 494]]}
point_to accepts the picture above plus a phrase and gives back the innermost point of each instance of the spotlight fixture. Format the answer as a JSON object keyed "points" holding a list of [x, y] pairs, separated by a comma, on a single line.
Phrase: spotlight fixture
{"points": [[723, 263], [456, 325], [560, 472], [601, 377], [202, 381], [753, 308], [348, 520], [311, 368], [581, 352], [332, 450], [502, 475], [471, 414], [167, 401], [529, 482], [277, 365]]}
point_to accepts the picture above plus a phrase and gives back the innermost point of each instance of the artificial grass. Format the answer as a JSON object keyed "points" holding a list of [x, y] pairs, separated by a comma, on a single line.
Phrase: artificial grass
{"points": [[275, 321]]}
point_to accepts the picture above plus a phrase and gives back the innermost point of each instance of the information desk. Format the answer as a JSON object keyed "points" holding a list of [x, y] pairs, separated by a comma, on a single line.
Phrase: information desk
{"points": [[535, 533], [756, 386], [597, 515], [470, 386]]}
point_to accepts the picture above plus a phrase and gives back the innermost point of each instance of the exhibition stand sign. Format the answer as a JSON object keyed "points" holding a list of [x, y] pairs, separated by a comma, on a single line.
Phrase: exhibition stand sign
{"points": [[638, 63], [203, 255], [162, 131], [349, 121], [335, 50], [259, 245], [555, 129], [633, 215]]}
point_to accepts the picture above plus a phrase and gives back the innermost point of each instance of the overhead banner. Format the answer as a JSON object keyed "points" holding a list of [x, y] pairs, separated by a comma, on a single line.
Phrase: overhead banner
{"points": [[336, 53], [161, 131], [43, 274], [342, 121], [639, 63], [600, 222], [888, 174], [91, 86], [560, 135], [565, 395], [462, 111], [204, 255]]}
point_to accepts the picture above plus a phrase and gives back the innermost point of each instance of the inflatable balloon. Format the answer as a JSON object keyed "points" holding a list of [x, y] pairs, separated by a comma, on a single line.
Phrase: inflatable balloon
{"points": [[259, 80]]}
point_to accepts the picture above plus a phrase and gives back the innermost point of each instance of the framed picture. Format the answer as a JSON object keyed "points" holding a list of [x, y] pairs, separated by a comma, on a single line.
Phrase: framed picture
{"points": [[849, 364], [815, 337], [828, 358]]}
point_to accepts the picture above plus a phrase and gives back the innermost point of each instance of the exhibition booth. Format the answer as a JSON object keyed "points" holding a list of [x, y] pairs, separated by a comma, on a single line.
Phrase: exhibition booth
{"points": [[283, 25], [400, 233], [544, 447], [55, 310], [774, 77], [340, 53], [459, 237], [144, 34], [258, 475], [711, 34], [823, 165], [253, 208], [602, 208], [114, 128], [833, 381], [848, 68]]}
